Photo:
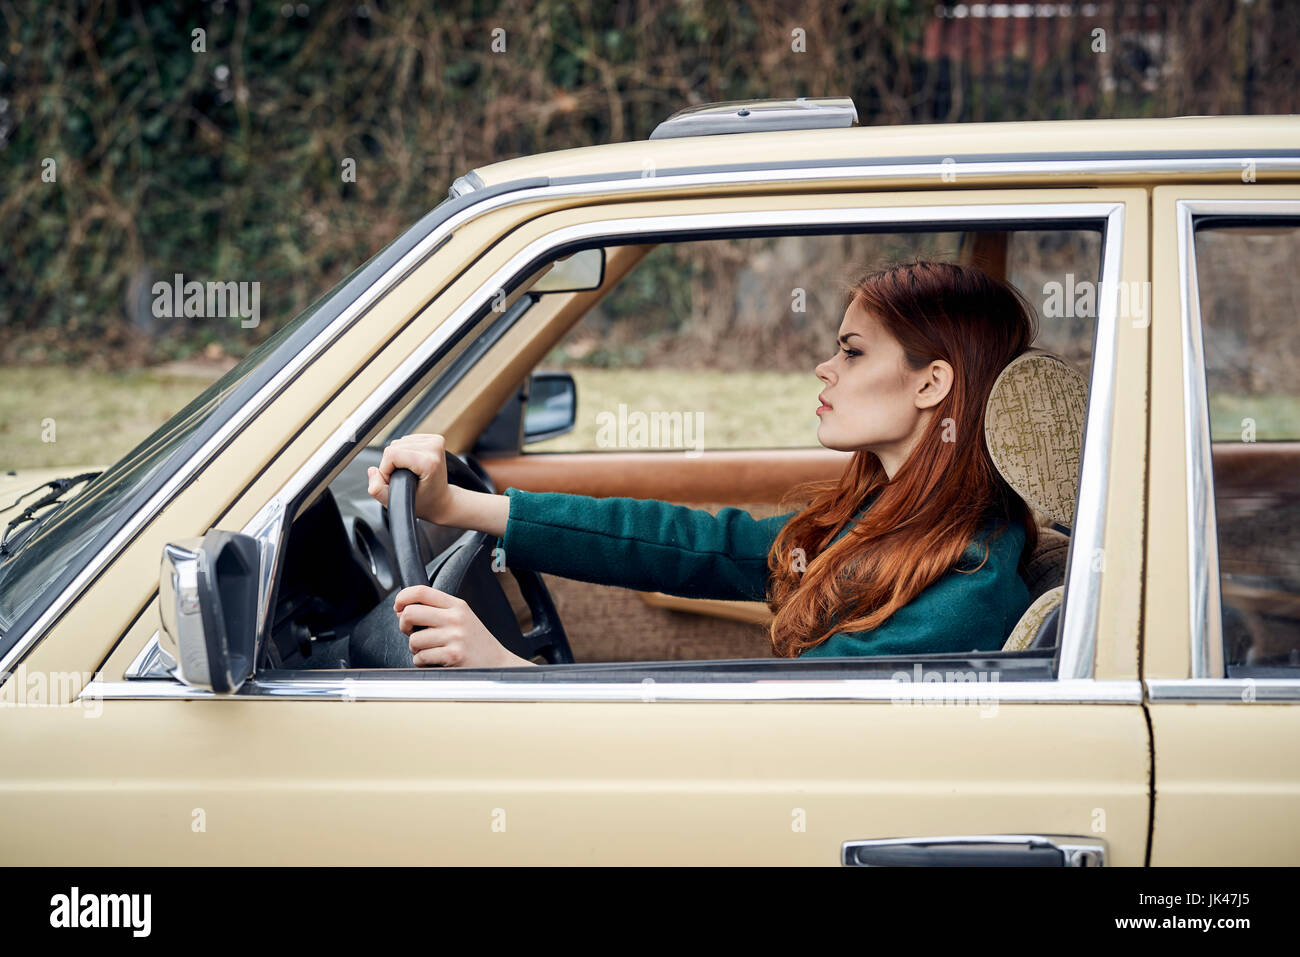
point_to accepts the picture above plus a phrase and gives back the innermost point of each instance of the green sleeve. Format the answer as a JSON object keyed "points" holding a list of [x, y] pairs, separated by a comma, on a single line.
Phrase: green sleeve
{"points": [[643, 544]]}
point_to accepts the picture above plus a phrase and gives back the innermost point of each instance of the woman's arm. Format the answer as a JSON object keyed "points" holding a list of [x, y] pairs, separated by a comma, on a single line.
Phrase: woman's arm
{"points": [[644, 544], [481, 511]]}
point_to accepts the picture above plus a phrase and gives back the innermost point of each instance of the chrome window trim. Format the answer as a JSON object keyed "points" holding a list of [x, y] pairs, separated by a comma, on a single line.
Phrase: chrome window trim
{"points": [[965, 170], [1202, 539], [1224, 690], [1078, 633], [870, 176], [900, 693], [1082, 600], [1205, 597], [146, 663], [265, 528]]}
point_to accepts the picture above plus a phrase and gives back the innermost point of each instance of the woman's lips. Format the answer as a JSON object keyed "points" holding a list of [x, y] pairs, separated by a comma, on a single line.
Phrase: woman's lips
{"points": [[824, 407]]}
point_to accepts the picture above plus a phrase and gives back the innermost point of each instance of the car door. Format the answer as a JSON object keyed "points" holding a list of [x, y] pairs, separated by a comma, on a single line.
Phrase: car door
{"points": [[1223, 621], [631, 764]]}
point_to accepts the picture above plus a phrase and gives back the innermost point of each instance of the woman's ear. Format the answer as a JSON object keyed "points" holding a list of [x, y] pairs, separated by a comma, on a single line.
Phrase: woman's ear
{"points": [[936, 384]]}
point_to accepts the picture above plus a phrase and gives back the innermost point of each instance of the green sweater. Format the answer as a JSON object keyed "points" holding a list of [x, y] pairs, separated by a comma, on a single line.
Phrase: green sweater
{"points": [[651, 545]]}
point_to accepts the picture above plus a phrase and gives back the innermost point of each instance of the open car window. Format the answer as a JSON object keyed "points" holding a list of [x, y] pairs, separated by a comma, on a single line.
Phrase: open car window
{"points": [[700, 328], [625, 349]]}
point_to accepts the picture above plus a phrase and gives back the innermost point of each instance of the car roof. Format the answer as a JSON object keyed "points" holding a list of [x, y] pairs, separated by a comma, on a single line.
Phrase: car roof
{"points": [[1170, 137]]}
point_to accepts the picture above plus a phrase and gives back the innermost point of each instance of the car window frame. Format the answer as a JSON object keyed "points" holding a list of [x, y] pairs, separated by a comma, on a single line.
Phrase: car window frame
{"points": [[1209, 679], [1077, 658]]}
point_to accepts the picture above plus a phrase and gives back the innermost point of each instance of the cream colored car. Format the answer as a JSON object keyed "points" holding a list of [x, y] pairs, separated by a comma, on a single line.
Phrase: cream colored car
{"points": [[174, 637]]}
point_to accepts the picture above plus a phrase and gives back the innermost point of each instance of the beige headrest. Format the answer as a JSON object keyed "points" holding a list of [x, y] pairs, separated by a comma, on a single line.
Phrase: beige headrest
{"points": [[1033, 425]]}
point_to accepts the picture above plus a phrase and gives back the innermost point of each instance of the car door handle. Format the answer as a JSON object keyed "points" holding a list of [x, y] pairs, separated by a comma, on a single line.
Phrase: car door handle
{"points": [[977, 850]]}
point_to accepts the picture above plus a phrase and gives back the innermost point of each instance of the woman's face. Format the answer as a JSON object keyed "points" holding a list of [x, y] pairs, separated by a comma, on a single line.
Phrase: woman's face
{"points": [[872, 399]]}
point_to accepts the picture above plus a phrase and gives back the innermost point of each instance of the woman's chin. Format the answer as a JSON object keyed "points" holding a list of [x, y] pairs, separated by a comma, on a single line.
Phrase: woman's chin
{"points": [[828, 440]]}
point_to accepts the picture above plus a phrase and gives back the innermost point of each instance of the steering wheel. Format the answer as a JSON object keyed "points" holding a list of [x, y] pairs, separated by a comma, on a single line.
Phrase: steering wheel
{"points": [[466, 570]]}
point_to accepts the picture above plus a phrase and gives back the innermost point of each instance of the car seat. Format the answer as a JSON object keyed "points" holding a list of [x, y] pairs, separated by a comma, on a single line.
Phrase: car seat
{"points": [[1033, 427]]}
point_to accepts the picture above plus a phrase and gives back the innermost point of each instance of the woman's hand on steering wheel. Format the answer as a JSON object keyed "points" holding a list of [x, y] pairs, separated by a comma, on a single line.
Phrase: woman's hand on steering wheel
{"points": [[425, 455], [445, 631]]}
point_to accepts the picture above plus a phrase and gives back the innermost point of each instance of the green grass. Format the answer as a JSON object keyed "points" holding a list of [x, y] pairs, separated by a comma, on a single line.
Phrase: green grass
{"points": [[97, 416], [1276, 417], [737, 410], [100, 416]]}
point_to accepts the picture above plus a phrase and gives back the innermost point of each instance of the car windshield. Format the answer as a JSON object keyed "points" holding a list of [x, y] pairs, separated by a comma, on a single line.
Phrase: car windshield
{"points": [[59, 542], [52, 555]]}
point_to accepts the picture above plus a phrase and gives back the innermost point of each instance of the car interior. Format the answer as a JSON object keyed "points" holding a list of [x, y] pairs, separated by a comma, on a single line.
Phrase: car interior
{"points": [[333, 602]]}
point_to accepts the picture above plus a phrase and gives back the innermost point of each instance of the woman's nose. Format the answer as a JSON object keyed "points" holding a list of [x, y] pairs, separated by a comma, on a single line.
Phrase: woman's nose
{"points": [[823, 372]]}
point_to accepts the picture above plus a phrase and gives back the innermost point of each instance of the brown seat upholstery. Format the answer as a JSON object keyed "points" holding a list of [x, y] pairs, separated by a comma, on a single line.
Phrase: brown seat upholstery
{"points": [[1046, 567]]}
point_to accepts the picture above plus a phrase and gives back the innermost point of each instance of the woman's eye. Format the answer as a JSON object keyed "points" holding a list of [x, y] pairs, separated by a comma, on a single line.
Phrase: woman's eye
{"points": [[850, 353]]}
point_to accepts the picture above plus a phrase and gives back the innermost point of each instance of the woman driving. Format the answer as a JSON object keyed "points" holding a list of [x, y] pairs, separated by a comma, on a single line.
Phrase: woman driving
{"points": [[915, 549]]}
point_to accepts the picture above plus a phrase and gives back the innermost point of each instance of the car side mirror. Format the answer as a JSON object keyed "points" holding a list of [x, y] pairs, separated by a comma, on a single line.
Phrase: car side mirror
{"points": [[546, 407], [207, 594], [552, 407]]}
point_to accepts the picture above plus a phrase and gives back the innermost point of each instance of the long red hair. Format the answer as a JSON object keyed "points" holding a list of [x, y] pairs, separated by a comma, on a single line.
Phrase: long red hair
{"points": [[927, 515]]}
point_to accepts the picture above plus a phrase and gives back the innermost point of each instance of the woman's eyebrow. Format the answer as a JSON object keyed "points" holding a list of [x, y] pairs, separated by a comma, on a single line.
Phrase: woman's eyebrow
{"points": [[847, 336]]}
